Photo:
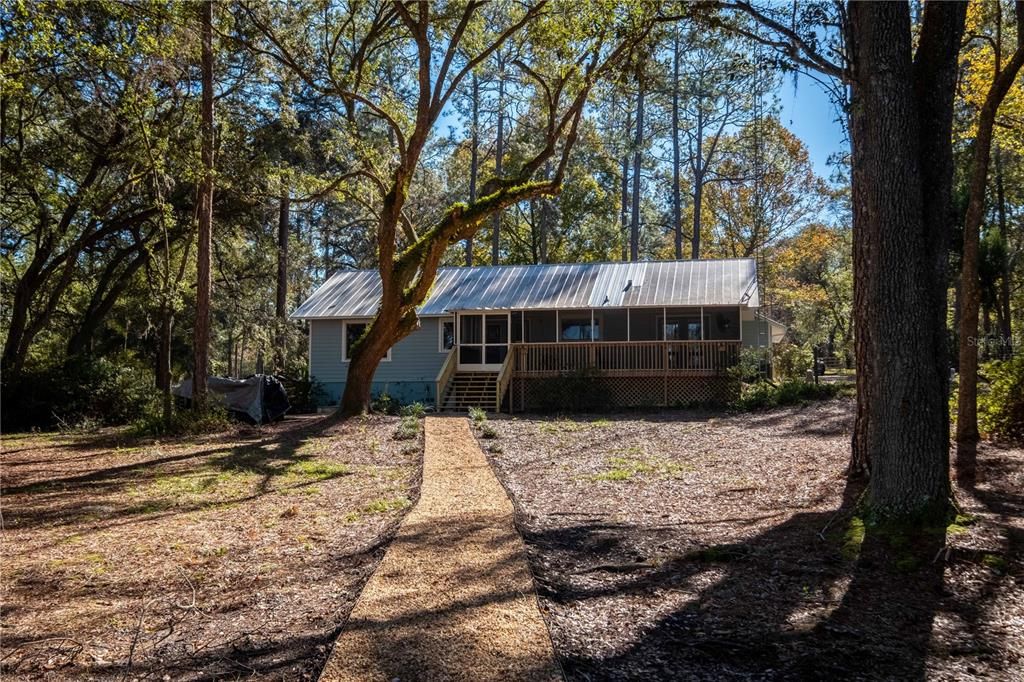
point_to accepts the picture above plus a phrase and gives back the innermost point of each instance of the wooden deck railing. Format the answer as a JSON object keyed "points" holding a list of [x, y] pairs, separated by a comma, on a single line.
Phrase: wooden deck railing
{"points": [[443, 377], [632, 358]]}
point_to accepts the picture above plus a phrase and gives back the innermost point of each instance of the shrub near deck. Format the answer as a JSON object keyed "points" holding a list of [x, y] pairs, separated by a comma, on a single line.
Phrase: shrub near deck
{"points": [[695, 545], [229, 556]]}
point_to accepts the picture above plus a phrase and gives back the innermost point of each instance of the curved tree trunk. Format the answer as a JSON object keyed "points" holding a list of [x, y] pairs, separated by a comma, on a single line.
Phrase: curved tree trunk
{"points": [[967, 397]]}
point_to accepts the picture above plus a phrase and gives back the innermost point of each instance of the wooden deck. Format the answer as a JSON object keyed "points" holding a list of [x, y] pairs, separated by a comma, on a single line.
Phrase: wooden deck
{"points": [[624, 358]]}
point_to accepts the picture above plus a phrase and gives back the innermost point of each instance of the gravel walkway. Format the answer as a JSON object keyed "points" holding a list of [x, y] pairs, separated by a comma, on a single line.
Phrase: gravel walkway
{"points": [[453, 598]]}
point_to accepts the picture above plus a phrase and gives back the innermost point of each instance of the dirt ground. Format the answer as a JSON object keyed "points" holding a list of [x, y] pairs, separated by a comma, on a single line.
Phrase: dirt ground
{"points": [[232, 556], [691, 545]]}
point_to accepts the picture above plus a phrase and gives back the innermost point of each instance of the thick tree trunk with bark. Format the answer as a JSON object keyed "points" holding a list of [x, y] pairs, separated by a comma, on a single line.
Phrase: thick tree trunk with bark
{"points": [[900, 122], [698, 186], [201, 338]]}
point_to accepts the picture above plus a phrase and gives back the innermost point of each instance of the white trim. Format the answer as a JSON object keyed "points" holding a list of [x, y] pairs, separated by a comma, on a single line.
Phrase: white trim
{"points": [[440, 334], [344, 338]]}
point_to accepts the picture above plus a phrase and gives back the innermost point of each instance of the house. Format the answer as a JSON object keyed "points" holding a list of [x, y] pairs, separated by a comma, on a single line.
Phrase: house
{"points": [[656, 333]]}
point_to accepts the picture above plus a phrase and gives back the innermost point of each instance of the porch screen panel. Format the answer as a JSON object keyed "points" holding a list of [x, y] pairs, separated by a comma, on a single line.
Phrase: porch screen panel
{"points": [[682, 324], [472, 329], [644, 324], [540, 326], [615, 325], [722, 324], [517, 326]]}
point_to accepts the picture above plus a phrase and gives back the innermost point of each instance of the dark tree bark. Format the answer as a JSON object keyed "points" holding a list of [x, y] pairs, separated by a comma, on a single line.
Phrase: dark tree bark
{"points": [[624, 206], [281, 304], [474, 159], [638, 141], [900, 125], [201, 338], [1006, 267], [698, 190], [499, 158], [967, 397], [113, 282], [677, 206]]}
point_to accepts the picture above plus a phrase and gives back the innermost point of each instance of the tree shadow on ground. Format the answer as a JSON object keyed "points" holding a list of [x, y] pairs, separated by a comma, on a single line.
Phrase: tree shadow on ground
{"points": [[816, 596], [125, 493]]}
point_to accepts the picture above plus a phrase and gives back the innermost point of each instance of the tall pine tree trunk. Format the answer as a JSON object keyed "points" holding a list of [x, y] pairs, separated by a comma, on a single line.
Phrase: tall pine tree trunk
{"points": [[201, 339], [677, 207], [698, 185], [499, 154], [474, 159], [281, 304], [634, 226], [1006, 269]]}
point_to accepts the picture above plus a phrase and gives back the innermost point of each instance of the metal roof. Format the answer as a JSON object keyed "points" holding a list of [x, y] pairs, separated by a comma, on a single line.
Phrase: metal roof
{"points": [[356, 293]]}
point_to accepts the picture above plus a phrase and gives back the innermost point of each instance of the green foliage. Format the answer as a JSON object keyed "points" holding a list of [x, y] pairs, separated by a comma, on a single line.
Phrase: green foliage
{"points": [[582, 390], [477, 415], [416, 410], [102, 391], [750, 366], [408, 428], [1001, 399], [384, 404], [304, 395], [764, 395], [184, 422], [488, 431], [792, 361]]}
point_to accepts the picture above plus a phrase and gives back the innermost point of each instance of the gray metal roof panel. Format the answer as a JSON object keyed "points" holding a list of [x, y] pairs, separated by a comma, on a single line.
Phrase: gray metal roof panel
{"points": [[356, 293]]}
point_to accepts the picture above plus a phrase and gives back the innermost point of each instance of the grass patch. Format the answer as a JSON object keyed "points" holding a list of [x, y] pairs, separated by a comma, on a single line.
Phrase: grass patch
{"points": [[562, 426], [626, 468], [995, 562], [314, 470], [853, 538], [379, 506]]}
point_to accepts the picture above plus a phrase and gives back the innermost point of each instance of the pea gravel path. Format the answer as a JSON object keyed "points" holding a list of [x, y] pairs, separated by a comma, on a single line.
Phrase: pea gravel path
{"points": [[453, 598]]}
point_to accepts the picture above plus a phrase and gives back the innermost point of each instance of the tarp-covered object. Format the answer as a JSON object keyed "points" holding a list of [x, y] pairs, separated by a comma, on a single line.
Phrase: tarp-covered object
{"points": [[260, 399]]}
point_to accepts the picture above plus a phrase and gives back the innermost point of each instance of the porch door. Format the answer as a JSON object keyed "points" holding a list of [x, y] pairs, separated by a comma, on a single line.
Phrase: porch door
{"points": [[482, 341]]}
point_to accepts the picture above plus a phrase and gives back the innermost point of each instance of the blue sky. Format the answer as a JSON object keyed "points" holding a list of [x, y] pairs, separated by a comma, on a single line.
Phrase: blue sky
{"points": [[810, 115]]}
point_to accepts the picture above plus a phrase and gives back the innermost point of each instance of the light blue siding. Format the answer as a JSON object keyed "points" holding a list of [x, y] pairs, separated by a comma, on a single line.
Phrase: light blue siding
{"points": [[408, 377], [751, 333]]}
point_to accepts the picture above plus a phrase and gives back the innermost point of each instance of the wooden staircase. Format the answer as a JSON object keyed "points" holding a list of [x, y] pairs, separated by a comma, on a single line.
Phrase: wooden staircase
{"points": [[471, 389]]}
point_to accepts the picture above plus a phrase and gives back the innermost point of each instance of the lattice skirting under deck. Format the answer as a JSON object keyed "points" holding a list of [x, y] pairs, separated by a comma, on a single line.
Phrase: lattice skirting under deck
{"points": [[550, 394]]}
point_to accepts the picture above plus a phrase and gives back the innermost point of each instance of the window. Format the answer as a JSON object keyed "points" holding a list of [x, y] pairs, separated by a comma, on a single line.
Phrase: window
{"points": [[445, 336], [579, 329], [350, 333]]}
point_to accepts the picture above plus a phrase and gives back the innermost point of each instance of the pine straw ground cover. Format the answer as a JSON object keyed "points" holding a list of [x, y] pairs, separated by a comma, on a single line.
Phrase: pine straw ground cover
{"points": [[707, 546], [232, 556]]}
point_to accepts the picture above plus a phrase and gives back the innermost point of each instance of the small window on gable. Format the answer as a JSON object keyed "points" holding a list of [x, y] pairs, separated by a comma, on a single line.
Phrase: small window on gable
{"points": [[350, 334], [446, 336]]}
